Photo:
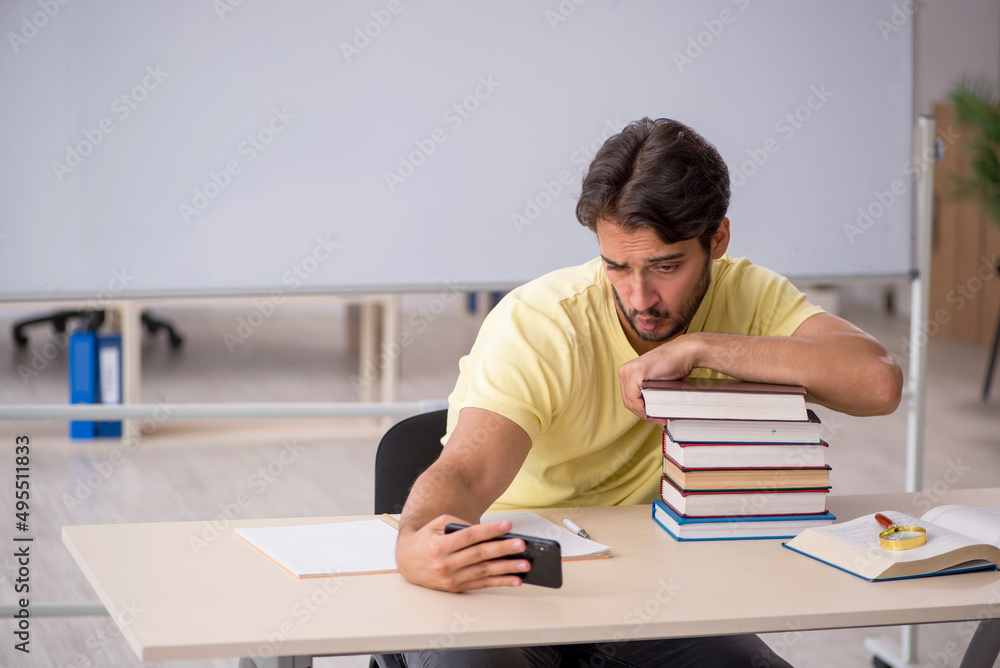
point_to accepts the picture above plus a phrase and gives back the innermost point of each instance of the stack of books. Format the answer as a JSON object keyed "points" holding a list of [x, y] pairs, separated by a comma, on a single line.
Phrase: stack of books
{"points": [[740, 460]]}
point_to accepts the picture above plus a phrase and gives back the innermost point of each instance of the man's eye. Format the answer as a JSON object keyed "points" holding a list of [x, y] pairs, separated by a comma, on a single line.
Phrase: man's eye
{"points": [[667, 268], [614, 268]]}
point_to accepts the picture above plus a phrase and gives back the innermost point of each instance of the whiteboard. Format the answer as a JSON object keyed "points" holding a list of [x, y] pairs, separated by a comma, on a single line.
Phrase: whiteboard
{"points": [[214, 148]]}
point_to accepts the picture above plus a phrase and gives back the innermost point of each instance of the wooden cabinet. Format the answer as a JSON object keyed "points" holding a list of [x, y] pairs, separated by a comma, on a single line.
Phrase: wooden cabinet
{"points": [[964, 288]]}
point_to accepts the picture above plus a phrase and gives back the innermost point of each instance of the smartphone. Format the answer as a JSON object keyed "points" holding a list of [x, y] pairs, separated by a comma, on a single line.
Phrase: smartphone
{"points": [[545, 557]]}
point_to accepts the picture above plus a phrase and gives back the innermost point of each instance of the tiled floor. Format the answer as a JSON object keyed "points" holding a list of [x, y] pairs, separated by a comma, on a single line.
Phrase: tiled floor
{"points": [[190, 471]]}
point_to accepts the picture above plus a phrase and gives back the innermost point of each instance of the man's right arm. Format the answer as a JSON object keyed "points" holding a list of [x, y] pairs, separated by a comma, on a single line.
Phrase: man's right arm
{"points": [[483, 454]]}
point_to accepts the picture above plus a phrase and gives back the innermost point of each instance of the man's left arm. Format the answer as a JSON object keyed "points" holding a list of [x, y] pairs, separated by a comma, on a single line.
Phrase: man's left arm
{"points": [[841, 367]]}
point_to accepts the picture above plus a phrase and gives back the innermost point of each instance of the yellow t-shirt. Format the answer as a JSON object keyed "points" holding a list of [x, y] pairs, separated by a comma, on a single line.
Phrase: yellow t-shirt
{"points": [[547, 358]]}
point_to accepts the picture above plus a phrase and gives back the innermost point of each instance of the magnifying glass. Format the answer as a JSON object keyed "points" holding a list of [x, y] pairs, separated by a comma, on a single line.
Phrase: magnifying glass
{"points": [[899, 538]]}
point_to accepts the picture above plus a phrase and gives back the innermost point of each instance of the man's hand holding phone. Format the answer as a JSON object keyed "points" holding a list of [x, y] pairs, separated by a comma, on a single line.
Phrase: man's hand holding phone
{"points": [[473, 558], [545, 557]]}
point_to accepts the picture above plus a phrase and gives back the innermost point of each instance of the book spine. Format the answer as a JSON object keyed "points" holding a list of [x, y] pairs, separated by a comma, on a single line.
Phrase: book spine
{"points": [[737, 469], [82, 379], [820, 443], [742, 503], [109, 364], [797, 490]]}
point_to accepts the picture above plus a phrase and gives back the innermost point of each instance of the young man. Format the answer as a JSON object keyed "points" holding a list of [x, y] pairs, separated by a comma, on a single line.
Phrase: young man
{"points": [[547, 410]]}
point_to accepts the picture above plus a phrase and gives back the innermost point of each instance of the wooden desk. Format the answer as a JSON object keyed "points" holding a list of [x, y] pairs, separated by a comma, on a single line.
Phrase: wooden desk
{"points": [[229, 600]]}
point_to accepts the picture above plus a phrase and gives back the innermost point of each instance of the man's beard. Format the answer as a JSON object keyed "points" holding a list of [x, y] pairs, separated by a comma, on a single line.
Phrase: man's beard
{"points": [[677, 323]]}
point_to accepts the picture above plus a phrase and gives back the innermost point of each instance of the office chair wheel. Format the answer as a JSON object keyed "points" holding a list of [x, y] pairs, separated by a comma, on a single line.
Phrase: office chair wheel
{"points": [[879, 663], [154, 325]]}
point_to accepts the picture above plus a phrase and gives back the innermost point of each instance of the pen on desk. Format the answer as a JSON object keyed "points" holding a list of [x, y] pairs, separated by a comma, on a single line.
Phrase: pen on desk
{"points": [[576, 528]]}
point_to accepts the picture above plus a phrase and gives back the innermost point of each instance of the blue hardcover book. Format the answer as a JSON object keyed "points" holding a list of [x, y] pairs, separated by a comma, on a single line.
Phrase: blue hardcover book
{"points": [[109, 364], [82, 379], [734, 528]]}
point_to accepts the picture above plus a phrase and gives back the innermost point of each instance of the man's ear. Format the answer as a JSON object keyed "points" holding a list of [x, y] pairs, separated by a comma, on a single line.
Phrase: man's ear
{"points": [[720, 240]]}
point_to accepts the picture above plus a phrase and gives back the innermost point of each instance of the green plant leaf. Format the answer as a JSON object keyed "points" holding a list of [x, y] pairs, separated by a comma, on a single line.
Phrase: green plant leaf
{"points": [[977, 105]]}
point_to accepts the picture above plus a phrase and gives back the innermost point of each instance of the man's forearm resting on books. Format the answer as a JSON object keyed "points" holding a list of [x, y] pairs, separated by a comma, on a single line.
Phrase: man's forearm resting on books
{"points": [[840, 366]]}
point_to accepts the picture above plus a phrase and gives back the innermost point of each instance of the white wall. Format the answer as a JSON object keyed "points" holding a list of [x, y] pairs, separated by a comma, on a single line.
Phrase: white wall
{"points": [[131, 145]]}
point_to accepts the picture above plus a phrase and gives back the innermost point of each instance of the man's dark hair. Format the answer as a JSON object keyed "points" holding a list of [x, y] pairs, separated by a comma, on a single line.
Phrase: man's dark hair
{"points": [[660, 175]]}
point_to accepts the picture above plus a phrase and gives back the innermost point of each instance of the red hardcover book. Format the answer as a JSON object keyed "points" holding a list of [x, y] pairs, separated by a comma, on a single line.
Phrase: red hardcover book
{"points": [[731, 503], [745, 479]]}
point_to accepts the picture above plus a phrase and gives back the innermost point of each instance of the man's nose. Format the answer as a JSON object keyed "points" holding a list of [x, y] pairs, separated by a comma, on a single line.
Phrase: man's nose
{"points": [[643, 296]]}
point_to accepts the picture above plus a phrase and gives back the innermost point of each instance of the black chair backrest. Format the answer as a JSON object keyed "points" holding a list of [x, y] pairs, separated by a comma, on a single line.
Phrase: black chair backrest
{"points": [[404, 452]]}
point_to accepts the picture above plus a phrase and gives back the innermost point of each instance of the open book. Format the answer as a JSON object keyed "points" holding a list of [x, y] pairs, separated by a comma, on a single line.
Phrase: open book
{"points": [[959, 538], [369, 546]]}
